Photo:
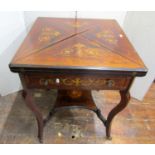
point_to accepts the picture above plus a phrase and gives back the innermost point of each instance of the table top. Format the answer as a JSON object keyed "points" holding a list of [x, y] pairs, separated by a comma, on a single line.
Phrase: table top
{"points": [[77, 44]]}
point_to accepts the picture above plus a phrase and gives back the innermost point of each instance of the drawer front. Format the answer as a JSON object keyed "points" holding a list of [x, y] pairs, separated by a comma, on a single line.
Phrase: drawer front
{"points": [[75, 82]]}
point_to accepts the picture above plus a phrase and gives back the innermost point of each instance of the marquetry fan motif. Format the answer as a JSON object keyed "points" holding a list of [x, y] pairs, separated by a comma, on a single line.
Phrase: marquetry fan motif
{"points": [[80, 50], [47, 34], [108, 36]]}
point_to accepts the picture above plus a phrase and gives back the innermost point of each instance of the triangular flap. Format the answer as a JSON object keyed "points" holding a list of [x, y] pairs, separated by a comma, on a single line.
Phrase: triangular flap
{"points": [[113, 38]]}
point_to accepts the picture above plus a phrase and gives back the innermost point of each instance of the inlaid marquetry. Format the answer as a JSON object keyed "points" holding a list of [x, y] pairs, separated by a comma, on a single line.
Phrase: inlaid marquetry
{"points": [[84, 82], [100, 44], [76, 24], [47, 34], [108, 36], [80, 50]]}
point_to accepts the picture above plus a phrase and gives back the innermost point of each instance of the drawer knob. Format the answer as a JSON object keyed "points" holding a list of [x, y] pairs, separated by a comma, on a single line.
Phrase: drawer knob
{"points": [[110, 83], [57, 80]]}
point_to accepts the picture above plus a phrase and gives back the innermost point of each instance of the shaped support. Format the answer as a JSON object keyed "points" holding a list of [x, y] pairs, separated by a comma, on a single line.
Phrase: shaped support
{"points": [[125, 97], [32, 106]]}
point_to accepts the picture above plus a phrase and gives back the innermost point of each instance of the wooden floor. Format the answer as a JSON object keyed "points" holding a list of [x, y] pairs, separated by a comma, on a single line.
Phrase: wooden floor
{"points": [[136, 124]]}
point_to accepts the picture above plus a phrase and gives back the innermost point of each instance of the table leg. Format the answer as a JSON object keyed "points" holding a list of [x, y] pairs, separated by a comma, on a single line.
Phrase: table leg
{"points": [[32, 106], [125, 96]]}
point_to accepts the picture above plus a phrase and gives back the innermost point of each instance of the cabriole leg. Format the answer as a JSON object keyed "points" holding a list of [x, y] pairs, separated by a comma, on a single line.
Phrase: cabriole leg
{"points": [[125, 96], [32, 106]]}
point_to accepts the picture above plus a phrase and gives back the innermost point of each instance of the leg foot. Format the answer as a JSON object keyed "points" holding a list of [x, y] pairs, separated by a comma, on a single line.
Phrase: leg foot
{"points": [[108, 138], [40, 139]]}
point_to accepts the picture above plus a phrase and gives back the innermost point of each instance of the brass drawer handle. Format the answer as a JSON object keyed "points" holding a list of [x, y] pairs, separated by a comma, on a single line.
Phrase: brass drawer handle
{"points": [[46, 82], [110, 83]]}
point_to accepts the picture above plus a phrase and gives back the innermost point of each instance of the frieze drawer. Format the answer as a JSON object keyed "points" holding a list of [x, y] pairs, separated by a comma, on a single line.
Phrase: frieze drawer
{"points": [[75, 82]]}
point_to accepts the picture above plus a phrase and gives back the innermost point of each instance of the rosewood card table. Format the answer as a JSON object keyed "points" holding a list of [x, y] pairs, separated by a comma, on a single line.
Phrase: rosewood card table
{"points": [[76, 56]]}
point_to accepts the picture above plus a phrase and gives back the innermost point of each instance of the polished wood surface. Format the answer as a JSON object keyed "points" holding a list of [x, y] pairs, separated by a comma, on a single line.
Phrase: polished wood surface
{"points": [[77, 43]]}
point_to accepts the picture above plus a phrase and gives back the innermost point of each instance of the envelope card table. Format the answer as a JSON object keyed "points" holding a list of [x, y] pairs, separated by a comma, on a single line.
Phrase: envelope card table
{"points": [[76, 56]]}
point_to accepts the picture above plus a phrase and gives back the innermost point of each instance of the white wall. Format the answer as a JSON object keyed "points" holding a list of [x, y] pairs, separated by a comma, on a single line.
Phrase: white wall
{"points": [[140, 28], [12, 32]]}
